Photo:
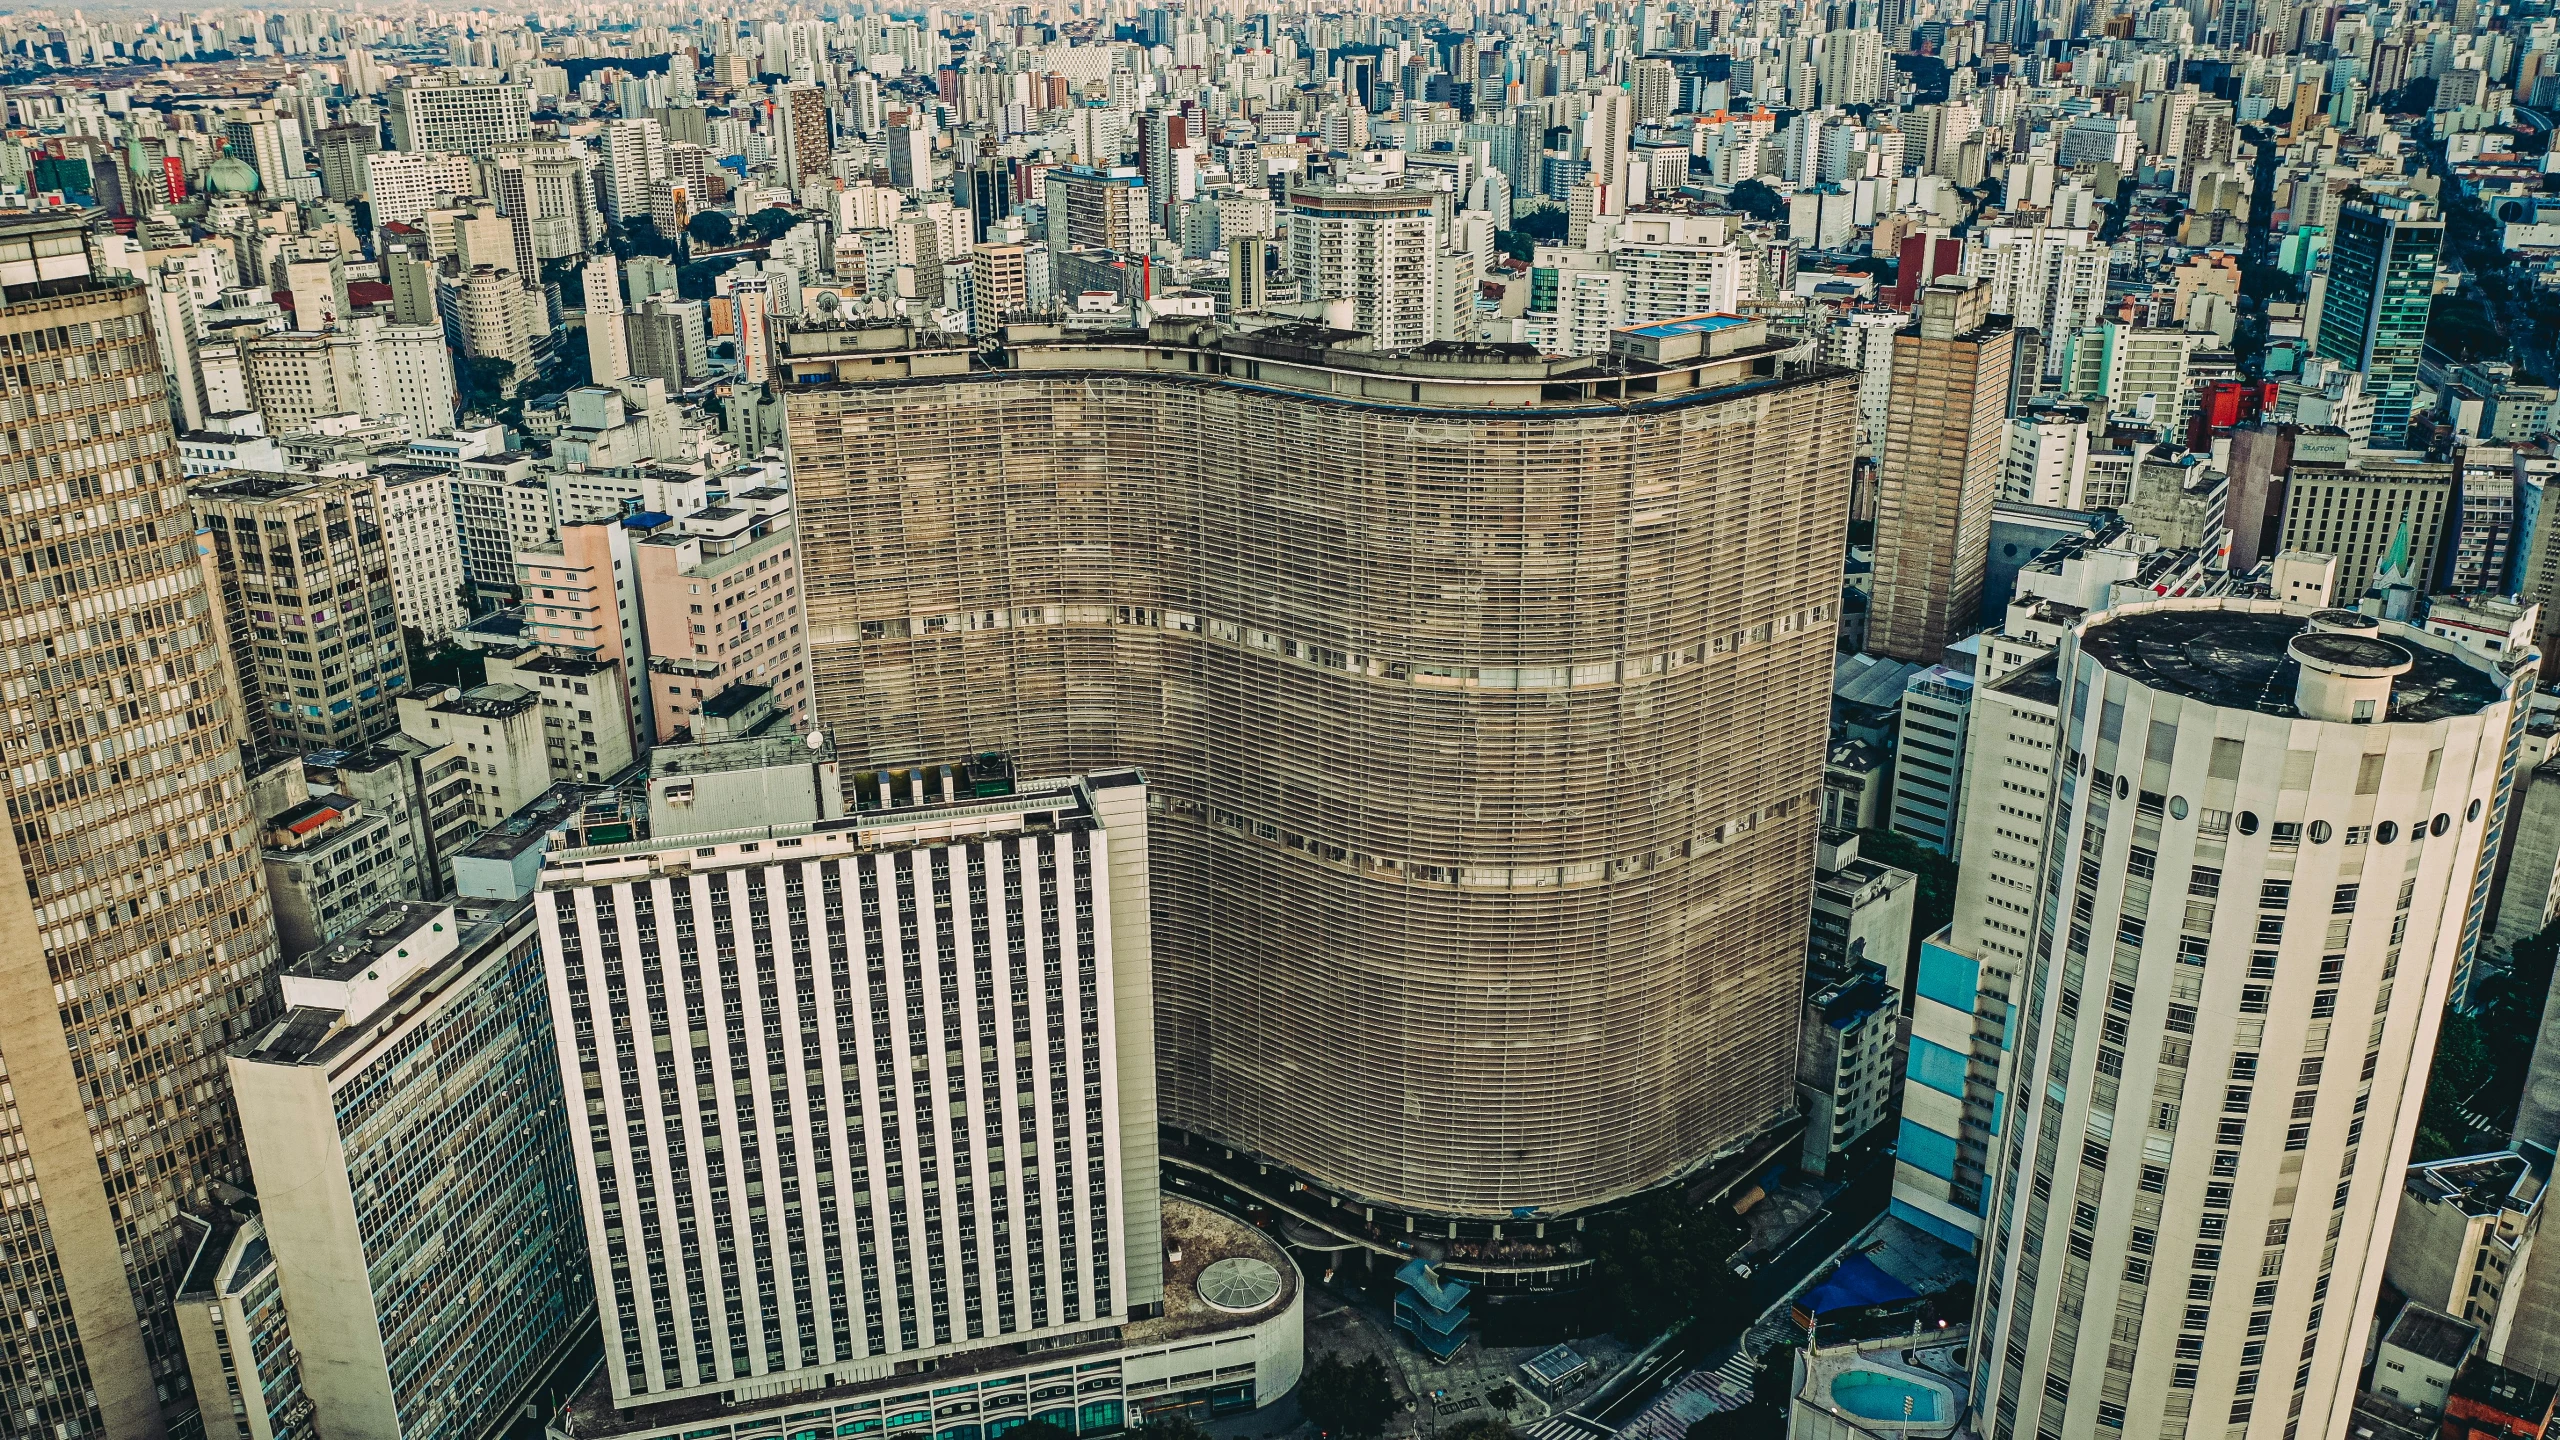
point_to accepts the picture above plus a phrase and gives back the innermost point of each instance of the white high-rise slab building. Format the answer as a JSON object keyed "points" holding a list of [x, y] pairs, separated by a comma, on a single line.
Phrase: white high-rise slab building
{"points": [[441, 110], [373, 368], [608, 353], [2229, 923], [1378, 249], [2047, 461], [635, 157], [403, 185], [425, 544], [863, 1093]]}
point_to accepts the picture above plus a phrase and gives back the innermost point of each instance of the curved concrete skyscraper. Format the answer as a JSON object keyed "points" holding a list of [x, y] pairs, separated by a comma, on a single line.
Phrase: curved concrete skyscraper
{"points": [[2268, 828], [1481, 696]]}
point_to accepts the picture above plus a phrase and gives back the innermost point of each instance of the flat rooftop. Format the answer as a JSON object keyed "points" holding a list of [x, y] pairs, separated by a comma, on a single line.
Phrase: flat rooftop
{"points": [[314, 1035], [349, 955], [2239, 659], [258, 484], [563, 665], [2477, 1184], [1693, 325], [712, 757], [485, 702], [2432, 1335], [554, 808], [733, 699]]}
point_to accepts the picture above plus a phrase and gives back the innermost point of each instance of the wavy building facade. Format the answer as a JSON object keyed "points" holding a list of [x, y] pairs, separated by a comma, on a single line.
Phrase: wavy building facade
{"points": [[1480, 695]]}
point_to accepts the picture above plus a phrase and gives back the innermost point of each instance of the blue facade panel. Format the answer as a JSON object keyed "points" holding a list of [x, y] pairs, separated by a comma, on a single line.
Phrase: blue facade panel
{"points": [[1937, 1067], [1922, 1220], [1948, 977], [1926, 1149]]}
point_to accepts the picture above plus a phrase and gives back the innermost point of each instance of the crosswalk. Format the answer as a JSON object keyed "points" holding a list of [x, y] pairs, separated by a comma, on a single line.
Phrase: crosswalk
{"points": [[2482, 1127], [1730, 1380], [1706, 1390], [1565, 1425], [1733, 1377]]}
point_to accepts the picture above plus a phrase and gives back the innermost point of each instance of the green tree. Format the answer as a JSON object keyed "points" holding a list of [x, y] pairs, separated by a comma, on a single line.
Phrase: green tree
{"points": [[1347, 1400], [1661, 1260], [698, 279], [1774, 1383], [2415, 98], [1504, 1397], [2464, 329], [2462, 1067], [2484, 1057], [711, 228], [484, 381], [452, 665], [1481, 1427], [1544, 224], [770, 222], [639, 236], [1764, 1415], [1934, 903], [1758, 201]]}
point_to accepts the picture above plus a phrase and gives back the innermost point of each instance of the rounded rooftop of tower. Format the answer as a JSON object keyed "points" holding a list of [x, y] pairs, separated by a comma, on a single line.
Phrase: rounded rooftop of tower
{"points": [[2349, 622], [2251, 659], [232, 175], [2354, 654]]}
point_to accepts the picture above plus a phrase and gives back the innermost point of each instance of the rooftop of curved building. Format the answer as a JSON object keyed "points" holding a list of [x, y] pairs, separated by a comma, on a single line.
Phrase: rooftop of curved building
{"points": [[1674, 361], [2240, 657]]}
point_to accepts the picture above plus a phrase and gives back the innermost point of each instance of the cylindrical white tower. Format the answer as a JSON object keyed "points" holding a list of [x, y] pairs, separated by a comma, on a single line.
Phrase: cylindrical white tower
{"points": [[2266, 831]]}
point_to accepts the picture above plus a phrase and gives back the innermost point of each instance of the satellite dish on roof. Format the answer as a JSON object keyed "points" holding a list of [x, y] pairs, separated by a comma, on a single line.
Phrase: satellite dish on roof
{"points": [[817, 739]]}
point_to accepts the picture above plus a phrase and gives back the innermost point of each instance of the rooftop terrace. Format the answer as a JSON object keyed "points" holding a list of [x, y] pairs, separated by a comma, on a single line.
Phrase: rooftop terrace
{"points": [[2239, 658]]}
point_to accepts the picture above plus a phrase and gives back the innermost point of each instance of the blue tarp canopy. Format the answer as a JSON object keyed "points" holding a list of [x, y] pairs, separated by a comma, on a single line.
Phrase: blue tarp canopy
{"points": [[1858, 1282]]}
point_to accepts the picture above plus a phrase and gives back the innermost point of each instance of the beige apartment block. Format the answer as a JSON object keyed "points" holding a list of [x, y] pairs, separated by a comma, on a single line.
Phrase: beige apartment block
{"points": [[719, 594], [1946, 432]]}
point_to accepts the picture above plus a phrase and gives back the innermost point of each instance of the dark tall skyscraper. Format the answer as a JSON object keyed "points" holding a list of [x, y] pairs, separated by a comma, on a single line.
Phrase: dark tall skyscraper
{"points": [[135, 942], [2373, 314]]}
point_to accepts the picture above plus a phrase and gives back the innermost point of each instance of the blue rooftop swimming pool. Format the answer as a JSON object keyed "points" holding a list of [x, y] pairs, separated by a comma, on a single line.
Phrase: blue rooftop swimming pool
{"points": [[1874, 1395]]}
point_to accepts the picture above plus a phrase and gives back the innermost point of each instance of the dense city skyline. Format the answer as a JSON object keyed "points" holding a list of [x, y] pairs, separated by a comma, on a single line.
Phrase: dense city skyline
{"points": [[1711, 719]]}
